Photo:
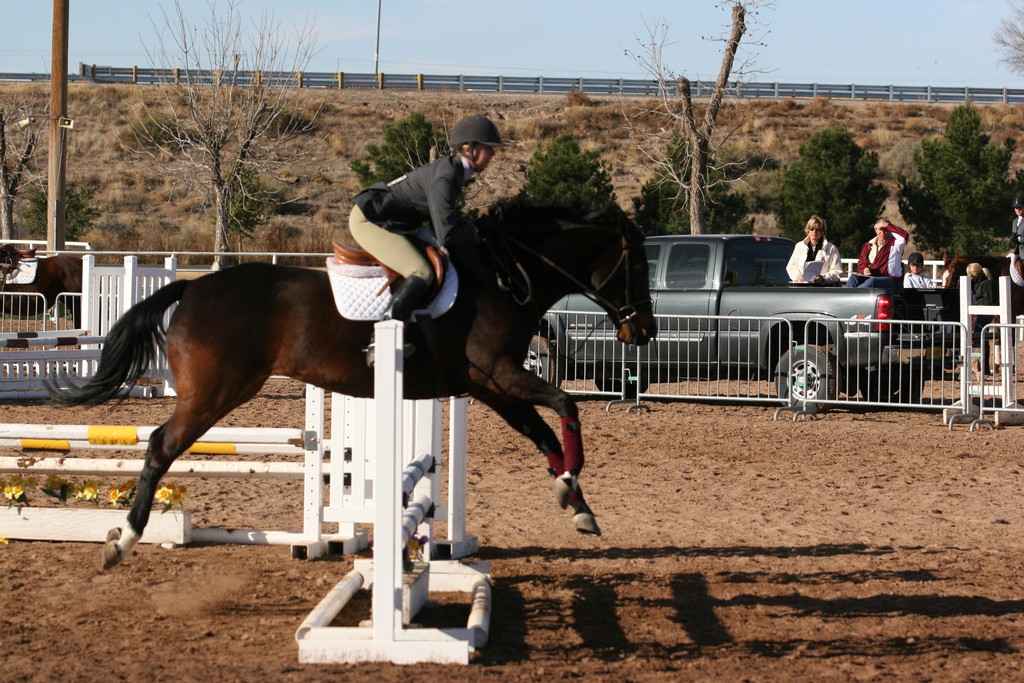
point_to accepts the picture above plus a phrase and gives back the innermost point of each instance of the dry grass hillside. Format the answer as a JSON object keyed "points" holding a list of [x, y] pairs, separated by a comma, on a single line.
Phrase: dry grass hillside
{"points": [[144, 209]]}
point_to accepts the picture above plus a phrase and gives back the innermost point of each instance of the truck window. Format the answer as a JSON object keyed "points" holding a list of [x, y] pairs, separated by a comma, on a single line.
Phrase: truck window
{"points": [[758, 263], [688, 266], [652, 251]]}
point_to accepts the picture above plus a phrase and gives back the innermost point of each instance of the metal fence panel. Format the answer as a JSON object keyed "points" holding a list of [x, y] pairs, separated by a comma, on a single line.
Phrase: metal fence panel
{"points": [[718, 358], [881, 363], [23, 312], [916, 366]]}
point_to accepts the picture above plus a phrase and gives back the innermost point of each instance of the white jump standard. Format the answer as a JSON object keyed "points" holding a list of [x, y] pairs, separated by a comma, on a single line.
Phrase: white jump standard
{"points": [[389, 637]]}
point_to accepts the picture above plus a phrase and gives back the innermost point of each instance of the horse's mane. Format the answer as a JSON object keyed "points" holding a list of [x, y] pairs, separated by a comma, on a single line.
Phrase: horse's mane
{"points": [[520, 213]]}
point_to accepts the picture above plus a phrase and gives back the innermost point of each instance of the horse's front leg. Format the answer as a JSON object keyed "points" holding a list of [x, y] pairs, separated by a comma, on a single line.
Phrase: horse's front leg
{"points": [[515, 404]]}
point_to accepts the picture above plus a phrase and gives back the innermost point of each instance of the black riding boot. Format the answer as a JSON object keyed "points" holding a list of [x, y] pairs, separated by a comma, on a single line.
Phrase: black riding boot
{"points": [[404, 301]]}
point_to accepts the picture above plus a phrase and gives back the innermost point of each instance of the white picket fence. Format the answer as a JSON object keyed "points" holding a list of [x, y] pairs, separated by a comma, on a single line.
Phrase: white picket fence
{"points": [[53, 352]]}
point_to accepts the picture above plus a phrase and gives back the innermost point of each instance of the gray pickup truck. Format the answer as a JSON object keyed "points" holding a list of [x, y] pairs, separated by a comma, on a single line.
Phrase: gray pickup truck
{"points": [[725, 304]]}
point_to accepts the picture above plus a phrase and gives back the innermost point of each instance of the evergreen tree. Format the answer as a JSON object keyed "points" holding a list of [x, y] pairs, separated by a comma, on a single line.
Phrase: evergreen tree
{"points": [[835, 179], [407, 145], [562, 172], [80, 212], [961, 201], [661, 207]]}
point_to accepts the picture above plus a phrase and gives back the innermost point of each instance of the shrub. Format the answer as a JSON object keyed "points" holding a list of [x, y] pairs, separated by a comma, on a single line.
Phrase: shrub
{"points": [[80, 211], [562, 172]]}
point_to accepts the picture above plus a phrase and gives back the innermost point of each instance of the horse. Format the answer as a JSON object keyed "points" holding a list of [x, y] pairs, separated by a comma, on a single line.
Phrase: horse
{"points": [[54, 275], [998, 266], [235, 328]]}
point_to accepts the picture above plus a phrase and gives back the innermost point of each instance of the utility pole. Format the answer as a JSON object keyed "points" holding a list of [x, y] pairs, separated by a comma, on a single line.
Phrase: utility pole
{"points": [[376, 49], [59, 124]]}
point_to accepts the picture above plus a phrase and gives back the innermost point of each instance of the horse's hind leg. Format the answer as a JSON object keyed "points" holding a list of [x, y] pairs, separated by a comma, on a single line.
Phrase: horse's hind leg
{"points": [[191, 419], [120, 542], [524, 418]]}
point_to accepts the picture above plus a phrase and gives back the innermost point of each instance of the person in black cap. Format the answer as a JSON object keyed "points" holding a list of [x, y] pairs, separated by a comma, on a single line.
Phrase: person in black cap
{"points": [[386, 215], [916, 279], [1017, 227]]}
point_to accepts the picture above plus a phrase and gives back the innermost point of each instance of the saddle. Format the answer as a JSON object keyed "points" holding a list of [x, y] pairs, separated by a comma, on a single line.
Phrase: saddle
{"points": [[1018, 265], [10, 256], [351, 256]]}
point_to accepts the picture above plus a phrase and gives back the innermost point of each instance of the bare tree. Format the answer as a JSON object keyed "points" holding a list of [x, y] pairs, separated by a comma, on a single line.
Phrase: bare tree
{"points": [[227, 109], [18, 141], [1010, 37], [676, 113]]}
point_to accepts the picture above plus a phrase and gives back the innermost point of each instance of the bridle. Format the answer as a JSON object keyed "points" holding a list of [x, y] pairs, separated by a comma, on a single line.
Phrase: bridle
{"points": [[507, 261]]}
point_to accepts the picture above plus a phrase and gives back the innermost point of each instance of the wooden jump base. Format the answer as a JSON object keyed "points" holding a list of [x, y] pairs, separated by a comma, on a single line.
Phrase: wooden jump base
{"points": [[404, 495]]}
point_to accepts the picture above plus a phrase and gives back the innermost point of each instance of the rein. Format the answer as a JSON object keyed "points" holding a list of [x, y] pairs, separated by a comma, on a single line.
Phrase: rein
{"points": [[624, 313]]}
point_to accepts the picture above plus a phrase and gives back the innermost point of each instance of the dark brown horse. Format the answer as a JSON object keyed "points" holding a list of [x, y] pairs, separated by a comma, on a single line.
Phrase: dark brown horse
{"points": [[998, 266], [55, 275], [234, 329]]}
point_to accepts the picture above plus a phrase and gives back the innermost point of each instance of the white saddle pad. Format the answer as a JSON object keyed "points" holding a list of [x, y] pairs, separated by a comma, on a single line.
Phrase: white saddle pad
{"points": [[24, 274], [356, 291]]}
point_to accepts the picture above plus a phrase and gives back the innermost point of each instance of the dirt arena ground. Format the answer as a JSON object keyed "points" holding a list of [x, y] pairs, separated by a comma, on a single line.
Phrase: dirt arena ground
{"points": [[861, 546]]}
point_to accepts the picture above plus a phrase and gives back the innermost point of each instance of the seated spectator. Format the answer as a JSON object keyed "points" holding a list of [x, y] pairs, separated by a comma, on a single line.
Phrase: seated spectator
{"points": [[916, 279], [983, 291], [817, 250], [881, 259]]}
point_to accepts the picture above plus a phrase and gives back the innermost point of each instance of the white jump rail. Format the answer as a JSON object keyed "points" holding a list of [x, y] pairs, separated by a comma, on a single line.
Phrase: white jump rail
{"points": [[73, 524]]}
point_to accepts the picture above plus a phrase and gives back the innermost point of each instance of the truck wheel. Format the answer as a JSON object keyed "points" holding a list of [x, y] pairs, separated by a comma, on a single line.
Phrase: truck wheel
{"points": [[542, 360], [808, 374]]}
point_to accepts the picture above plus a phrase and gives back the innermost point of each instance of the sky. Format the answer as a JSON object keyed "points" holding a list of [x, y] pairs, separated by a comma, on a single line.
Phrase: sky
{"points": [[872, 42]]}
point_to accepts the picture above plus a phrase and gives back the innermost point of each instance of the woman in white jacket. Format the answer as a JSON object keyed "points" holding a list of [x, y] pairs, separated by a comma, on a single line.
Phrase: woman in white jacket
{"points": [[815, 249]]}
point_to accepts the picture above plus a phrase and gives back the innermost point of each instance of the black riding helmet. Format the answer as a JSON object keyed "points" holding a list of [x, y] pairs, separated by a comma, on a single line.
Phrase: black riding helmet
{"points": [[915, 259], [476, 129], [1018, 201]]}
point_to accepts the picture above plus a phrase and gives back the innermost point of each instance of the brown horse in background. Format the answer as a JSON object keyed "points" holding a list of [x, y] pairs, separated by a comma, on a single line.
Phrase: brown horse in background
{"points": [[998, 266], [54, 276]]}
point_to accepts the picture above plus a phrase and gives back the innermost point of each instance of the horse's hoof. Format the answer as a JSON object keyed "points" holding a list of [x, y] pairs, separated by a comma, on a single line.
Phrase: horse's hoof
{"points": [[111, 552], [565, 485], [584, 519]]}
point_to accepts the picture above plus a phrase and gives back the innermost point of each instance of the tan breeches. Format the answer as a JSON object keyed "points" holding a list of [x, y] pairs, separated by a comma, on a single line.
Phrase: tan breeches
{"points": [[392, 249]]}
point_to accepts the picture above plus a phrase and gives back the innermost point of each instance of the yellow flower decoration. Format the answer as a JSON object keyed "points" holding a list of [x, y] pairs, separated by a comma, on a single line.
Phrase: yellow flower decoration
{"points": [[169, 495], [121, 495], [89, 490], [16, 489]]}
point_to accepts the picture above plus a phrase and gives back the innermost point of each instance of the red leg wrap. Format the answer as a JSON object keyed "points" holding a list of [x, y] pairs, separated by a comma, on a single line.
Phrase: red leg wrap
{"points": [[572, 444], [556, 463]]}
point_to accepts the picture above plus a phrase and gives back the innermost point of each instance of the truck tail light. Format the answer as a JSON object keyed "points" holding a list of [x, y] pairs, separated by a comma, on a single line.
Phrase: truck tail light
{"points": [[883, 311]]}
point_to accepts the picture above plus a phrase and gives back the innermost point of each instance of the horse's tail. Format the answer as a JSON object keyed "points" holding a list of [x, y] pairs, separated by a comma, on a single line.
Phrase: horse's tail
{"points": [[130, 348]]}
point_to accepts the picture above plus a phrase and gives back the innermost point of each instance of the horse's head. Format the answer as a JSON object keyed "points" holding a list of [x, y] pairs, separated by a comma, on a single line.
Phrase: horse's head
{"points": [[621, 284], [954, 266], [9, 257], [578, 250]]}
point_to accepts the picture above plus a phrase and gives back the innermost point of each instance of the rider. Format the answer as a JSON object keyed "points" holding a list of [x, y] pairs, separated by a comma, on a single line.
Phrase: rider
{"points": [[385, 215]]}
